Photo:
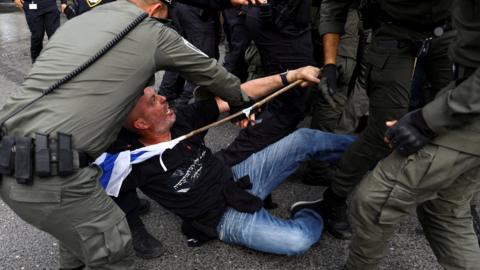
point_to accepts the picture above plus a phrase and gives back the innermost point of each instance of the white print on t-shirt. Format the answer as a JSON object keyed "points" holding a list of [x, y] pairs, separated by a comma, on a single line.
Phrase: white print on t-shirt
{"points": [[190, 175]]}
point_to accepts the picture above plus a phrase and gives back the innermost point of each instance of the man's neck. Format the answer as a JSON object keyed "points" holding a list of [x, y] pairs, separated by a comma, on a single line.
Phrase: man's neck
{"points": [[150, 139]]}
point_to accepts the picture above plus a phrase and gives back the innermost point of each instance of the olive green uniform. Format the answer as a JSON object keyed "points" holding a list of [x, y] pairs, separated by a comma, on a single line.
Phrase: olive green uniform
{"points": [[324, 117], [439, 180], [91, 229], [390, 64]]}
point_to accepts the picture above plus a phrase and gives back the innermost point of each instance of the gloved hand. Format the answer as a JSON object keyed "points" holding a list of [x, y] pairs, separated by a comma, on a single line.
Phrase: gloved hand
{"points": [[410, 133], [328, 82], [69, 12]]}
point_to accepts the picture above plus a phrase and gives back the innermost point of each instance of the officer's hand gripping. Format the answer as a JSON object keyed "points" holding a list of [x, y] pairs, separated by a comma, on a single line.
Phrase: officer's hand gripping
{"points": [[409, 134], [328, 82]]}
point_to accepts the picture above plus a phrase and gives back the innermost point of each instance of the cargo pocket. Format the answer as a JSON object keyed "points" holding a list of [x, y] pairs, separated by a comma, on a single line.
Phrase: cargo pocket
{"points": [[377, 60], [104, 241], [34, 204], [400, 203], [403, 197], [28, 194]]}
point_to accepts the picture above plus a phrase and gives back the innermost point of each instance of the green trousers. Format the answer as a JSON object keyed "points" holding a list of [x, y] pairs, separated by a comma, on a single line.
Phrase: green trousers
{"points": [[344, 115], [91, 228], [324, 117], [390, 65], [438, 183]]}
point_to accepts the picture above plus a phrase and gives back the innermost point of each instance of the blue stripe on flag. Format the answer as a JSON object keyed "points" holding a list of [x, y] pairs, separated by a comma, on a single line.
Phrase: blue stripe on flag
{"points": [[133, 157], [107, 167]]}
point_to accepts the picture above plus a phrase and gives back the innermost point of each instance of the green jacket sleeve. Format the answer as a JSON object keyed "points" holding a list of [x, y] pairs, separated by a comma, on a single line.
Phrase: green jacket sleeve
{"points": [[455, 107], [333, 15], [177, 54]]}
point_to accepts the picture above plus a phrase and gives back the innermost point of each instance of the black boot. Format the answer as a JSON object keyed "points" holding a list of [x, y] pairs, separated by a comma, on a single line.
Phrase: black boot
{"points": [[145, 245], [333, 210], [335, 215]]}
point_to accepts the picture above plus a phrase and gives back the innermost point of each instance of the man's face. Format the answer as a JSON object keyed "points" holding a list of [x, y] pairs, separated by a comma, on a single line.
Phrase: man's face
{"points": [[154, 111]]}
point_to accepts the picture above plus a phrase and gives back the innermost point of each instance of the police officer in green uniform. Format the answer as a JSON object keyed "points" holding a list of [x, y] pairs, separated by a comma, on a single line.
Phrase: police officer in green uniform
{"points": [[435, 168], [91, 108], [406, 33], [345, 116]]}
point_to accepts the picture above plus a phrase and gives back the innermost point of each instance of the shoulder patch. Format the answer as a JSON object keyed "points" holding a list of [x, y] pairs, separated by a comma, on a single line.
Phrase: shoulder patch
{"points": [[93, 3], [191, 46]]}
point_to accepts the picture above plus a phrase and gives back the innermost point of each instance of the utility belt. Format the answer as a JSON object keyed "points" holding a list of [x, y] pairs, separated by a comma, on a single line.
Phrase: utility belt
{"points": [[420, 48], [436, 29], [373, 17], [24, 157]]}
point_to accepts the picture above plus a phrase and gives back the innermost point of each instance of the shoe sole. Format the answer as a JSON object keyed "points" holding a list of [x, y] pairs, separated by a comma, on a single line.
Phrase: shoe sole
{"points": [[303, 202]]}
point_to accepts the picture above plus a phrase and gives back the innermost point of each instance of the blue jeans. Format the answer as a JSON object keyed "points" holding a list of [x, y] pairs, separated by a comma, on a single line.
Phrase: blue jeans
{"points": [[268, 169]]}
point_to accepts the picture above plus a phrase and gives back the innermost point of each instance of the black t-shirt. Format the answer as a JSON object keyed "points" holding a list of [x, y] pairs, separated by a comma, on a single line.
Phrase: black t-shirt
{"points": [[196, 186], [192, 186]]}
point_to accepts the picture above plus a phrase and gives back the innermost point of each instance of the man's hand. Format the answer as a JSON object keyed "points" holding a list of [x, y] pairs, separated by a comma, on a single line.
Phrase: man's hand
{"points": [[19, 3], [63, 7], [243, 120], [246, 122], [409, 134], [308, 74], [329, 79], [246, 2]]}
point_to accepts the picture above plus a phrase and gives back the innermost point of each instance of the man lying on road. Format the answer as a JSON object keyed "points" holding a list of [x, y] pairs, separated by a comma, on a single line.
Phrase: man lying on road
{"points": [[212, 198]]}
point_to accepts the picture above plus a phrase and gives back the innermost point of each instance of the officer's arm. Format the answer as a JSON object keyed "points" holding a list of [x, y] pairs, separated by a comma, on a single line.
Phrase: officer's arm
{"points": [[455, 107], [331, 41], [333, 15], [176, 54], [261, 87]]}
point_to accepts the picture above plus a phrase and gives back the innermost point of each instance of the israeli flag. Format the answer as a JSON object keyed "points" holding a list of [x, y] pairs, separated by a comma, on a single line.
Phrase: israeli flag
{"points": [[116, 167]]}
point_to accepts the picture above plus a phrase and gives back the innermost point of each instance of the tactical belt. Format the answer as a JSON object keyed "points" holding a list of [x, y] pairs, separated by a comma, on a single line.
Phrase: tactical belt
{"points": [[437, 29], [23, 157]]}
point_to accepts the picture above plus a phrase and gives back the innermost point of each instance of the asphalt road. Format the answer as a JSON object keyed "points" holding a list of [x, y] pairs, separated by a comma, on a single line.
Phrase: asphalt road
{"points": [[24, 247]]}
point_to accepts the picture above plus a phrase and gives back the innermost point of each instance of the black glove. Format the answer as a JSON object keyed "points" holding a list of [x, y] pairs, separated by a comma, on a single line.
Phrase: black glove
{"points": [[410, 133], [70, 12], [328, 82]]}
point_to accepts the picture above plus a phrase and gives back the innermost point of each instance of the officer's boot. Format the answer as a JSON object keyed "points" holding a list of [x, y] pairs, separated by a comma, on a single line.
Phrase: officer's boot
{"points": [[333, 210], [145, 245], [335, 215]]}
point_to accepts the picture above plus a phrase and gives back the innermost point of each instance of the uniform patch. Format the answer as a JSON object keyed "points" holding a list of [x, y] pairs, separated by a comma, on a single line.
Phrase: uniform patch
{"points": [[93, 3], [190, 45]]}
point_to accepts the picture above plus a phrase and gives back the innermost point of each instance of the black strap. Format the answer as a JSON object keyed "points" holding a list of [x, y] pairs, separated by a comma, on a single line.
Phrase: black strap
{"points": [[84, 159]]}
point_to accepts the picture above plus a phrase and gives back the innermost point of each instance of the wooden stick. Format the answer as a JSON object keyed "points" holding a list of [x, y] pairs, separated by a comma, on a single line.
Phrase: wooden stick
{"points": [[254, 106]]}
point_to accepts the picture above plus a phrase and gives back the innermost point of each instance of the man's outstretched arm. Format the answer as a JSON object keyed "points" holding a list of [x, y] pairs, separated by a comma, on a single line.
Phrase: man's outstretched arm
{"points": [[263, 86]]}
